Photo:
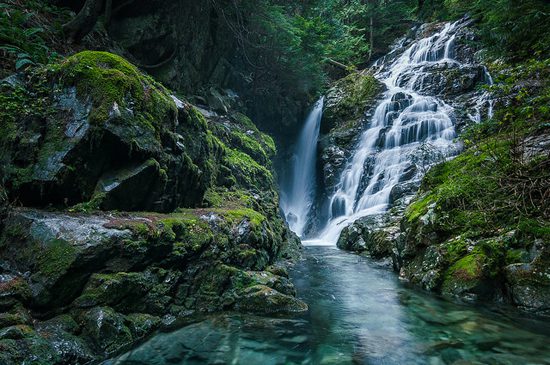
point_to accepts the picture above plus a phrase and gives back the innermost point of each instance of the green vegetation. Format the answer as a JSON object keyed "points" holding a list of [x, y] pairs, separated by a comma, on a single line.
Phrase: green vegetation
{"points": [[352, 93], [29, 33], [109, 79], [501, 181], [514, 29], [57, 258], [489, 207]]}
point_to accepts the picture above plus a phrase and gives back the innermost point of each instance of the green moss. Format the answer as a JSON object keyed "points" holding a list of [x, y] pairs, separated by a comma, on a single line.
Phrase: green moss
{"points": [[419, 207], [93, 204], [358, 89], [244, 121], [247, 171], [195, 118], [236, 216], [108, 80], [223, 198], [465, 272], [269, 144], [249, 145], [56, 259], [537, 228], [455, 249], [190, 232], [516, 256]]}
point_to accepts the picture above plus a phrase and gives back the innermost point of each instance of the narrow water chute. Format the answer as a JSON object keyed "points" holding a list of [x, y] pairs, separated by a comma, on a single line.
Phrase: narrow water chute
{"points": [[297, 201]]}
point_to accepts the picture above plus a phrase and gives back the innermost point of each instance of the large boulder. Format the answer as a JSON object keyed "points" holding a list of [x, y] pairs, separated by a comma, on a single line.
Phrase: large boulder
{"points": [[107, 134], [102, 281]]}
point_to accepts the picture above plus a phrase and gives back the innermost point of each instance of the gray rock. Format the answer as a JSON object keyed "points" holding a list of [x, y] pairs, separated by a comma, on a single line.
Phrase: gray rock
{"points": [[106, 329], [529, 284]]}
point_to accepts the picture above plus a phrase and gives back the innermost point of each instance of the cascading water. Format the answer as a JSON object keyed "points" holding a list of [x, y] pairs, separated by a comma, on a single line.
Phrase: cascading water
{"points": [[297, 200], [404, 122], [484, 101]]}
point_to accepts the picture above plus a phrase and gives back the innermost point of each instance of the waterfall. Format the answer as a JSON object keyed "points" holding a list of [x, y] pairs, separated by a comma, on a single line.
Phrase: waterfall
{"points": [[297, 200], [404, 122]]}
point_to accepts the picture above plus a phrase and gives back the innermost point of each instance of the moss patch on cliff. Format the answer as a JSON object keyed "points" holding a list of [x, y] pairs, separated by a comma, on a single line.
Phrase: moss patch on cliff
{"points": [[109, 80], [56, 258], [347, 99], [247, 171]]}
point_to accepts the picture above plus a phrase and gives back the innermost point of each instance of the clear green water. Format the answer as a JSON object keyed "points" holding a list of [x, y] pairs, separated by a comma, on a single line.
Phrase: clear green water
{"points": [[360, 313]]}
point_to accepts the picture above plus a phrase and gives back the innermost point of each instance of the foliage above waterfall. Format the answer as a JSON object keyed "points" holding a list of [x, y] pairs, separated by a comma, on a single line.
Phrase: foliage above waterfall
{"points": [[511, 28]]}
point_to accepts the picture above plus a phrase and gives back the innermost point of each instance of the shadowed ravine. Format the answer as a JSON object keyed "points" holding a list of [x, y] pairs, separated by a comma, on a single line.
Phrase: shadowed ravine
{"points": [[359, 313]]}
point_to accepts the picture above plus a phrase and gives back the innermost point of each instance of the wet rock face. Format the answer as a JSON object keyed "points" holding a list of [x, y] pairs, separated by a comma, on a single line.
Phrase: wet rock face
{"points": [[187, 45], [100, 282], [348, 105], [529, 283], [170, 40]]}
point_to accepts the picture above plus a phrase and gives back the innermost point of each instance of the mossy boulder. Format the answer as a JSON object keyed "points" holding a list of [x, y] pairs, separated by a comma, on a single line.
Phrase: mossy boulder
{"points": [[369, 235], [96, 105], [466, 277], [106, 329], [109, 279], [263, 299]]}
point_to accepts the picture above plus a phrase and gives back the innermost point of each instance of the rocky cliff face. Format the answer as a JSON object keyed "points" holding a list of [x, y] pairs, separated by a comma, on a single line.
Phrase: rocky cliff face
{"points": [[88, 143]]}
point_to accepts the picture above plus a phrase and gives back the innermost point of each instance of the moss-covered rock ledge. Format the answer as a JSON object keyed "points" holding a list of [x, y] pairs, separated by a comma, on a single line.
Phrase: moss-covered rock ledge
{"points": [[140, 212]]}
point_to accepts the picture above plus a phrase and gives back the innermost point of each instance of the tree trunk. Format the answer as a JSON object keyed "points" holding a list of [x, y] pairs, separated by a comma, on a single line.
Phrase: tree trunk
{"points": [[371, 36], [85, 21]]}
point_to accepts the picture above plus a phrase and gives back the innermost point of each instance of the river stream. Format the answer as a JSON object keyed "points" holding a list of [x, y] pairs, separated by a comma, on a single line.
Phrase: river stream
{"points": [[359, 313]]}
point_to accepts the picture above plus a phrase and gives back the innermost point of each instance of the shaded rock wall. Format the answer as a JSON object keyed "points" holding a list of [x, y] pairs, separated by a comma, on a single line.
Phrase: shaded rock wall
{"points": [[192, 46]]}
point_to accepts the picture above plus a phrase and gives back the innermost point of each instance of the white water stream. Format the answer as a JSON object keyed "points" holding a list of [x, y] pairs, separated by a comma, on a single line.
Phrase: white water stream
{"points": [[297, 201]]}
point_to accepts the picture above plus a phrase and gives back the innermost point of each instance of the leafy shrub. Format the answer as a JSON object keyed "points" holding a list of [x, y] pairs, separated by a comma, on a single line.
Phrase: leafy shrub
{"points": [[28, 29]]}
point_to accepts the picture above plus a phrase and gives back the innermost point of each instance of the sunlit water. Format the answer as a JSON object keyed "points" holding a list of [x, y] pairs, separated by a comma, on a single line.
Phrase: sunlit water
{"points": [[359, 313]]}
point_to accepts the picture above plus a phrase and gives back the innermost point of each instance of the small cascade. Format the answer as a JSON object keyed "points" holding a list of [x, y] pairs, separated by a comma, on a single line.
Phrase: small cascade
{"points": [[297, 199], [405, 122], [486, 100]]}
